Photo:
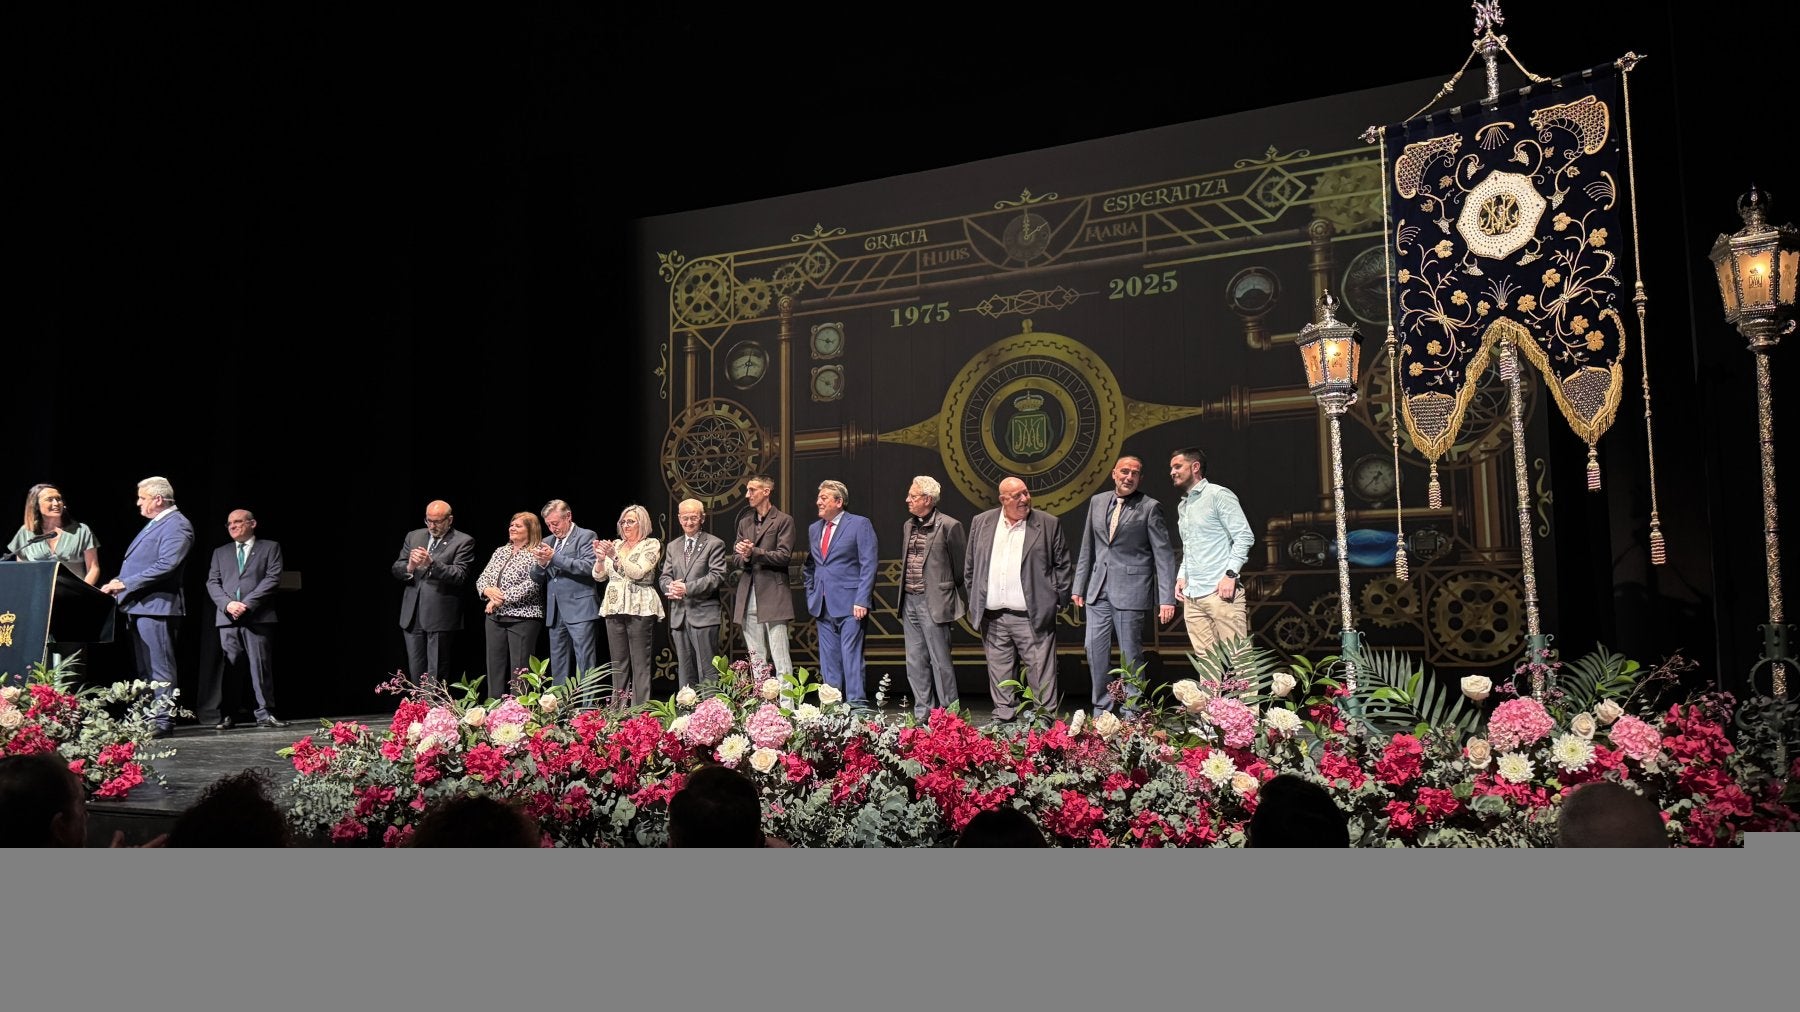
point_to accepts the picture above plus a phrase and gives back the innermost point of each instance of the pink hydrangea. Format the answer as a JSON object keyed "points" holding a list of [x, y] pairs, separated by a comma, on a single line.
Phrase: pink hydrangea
{"points": [[1517, 723], [767, 727], [1635, 738], [442, 726], [509, 712], [1234, 720], [710, 722]]}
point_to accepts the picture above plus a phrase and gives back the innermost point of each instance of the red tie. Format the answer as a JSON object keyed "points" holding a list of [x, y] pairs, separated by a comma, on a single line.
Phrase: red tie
{"points": [[825, 540]]}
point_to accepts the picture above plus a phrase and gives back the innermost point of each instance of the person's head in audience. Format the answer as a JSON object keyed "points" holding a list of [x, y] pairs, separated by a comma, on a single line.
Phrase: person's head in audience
{"points": [[1002, 827], [477, 820], [1292, 811], [1605, 814], [717, 807], [42, 802], [234, 811]]}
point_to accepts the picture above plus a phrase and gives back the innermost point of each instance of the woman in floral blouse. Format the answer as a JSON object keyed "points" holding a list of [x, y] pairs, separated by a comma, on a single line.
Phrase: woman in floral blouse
{"points": [[515, 603], [631, 605]]}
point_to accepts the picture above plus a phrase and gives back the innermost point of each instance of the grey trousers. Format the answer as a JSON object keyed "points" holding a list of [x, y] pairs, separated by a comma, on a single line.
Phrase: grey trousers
{"points": [[1010, 641], [929, 669]]}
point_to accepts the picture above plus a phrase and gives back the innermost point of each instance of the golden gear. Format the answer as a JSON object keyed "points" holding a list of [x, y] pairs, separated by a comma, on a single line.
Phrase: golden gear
{"points": [[701, 293], [1292, 633], [710, 450], [1478, 616], [1327, 617], [753, 298], [1389, 602]]}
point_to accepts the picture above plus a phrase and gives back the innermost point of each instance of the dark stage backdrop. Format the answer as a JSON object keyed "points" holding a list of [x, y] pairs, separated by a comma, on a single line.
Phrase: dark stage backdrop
{"points": [[1042, 314]]}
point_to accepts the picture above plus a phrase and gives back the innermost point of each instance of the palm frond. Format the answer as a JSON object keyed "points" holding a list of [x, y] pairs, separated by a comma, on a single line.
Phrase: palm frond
{"points": [[1599, 675], [1394, 693]]}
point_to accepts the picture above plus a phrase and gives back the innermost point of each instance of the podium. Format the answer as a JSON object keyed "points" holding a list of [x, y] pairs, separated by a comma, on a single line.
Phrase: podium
{"points": [[41, 602]]}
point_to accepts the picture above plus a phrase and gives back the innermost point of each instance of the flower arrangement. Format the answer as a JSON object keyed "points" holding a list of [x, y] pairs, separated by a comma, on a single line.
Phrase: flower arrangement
{"points": [[103, 732], [1409, 766]]}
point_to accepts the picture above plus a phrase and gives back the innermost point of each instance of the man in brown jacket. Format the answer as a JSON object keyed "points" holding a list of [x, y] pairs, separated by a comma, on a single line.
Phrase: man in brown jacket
{"points": [[764, 605]]}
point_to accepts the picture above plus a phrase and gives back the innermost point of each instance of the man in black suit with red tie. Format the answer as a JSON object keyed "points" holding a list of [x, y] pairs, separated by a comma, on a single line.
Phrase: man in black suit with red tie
{"points": [[242, 582]]}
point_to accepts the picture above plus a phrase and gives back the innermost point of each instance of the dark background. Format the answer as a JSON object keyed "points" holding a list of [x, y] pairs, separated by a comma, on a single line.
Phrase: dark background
{"points": [[330, 264]]}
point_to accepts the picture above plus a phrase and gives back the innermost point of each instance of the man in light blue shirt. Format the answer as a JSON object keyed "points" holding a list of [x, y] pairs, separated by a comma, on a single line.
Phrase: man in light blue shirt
{"points": [[1215, 542]]}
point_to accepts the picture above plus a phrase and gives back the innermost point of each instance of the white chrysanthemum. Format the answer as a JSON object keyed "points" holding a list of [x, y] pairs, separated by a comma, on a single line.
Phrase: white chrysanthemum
{"points": [[506, 734], [1282, 721], [1218, 768], [806, 713], [1516, 768], [771, 689], [687, 697], [548, 702], [764, 759], [475, 716], [1077, 722], [676, 725], [1282, 684], [1573, 752], [830, 695], [1107, 724], [733, 748]]}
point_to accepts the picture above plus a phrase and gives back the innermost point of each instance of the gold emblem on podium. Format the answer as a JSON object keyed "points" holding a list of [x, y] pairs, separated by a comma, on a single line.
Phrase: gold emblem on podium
{"points": [[7, 621]]}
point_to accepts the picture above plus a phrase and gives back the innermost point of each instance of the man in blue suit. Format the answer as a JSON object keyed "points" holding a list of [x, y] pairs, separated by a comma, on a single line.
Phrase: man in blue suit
{"points": [[565, 571], [840, 580], [1126, 565], [241, 582], [148, 592]]}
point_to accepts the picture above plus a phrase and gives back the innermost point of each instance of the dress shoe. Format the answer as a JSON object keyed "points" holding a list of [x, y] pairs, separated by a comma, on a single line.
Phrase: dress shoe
{"points": [[162, 732], [270, 721], [225, 724]]}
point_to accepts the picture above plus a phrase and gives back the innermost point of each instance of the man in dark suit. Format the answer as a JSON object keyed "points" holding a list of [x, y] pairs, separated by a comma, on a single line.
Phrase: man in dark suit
{"points": [[148, 591], [1127, 563], [1018, 574], [932, 595], [565, 570], [764, 605], [693, 574], [241, 582], [433, 564], [840, 581]]}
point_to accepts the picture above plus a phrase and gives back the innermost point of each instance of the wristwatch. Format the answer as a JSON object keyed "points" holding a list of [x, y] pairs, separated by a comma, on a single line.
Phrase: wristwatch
{"points": [[1231, 574]]}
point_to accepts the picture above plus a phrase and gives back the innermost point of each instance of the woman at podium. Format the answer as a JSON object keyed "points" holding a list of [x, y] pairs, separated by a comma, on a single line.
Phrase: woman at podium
{"points": [[48, 533]]}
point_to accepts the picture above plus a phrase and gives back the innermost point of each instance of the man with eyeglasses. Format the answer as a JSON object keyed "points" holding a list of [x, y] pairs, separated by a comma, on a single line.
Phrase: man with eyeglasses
{"points": [[241, 582], [433, 565], [932, 595], [693, 573], [1018, 574]]}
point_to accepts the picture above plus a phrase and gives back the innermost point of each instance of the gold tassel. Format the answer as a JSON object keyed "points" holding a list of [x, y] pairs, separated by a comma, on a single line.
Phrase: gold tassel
{"points": [[1593, 470], [1659, 553], [1434, 493], [1402, 571]]}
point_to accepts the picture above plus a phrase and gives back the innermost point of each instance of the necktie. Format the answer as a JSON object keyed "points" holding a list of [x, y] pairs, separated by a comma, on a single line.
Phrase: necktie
{"points": [[687, 554], [1112, 523], [240, 558], [431, 548], [825, 539]]}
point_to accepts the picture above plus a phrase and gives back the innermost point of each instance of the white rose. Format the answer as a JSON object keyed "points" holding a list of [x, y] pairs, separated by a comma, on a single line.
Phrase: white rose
{"points": [[548, 702], [1107, 724], [678, 724], [771, 689], [1477, 687], [806, 713], [10, 693], [687, 697], [1479, 752], [1583, 725], [829, 695], [1282, 684], [1244, 783], [11, 717], [733, 748], [1189, 694], [413, 730], [1607, 711], [764, 759], [475, 716], [1077, 722]]}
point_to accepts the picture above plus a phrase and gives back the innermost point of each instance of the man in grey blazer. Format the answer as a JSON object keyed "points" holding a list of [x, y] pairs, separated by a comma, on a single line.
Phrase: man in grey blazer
{"points": [[433, 564], [932, 594], [241, 582], [1126, 564], [1018, 574], [693, 574], [565, 571], [148, 590]]}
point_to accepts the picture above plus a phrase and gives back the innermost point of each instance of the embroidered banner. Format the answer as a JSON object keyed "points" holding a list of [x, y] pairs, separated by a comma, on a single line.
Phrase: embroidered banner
{"points": [[1505, 222]]}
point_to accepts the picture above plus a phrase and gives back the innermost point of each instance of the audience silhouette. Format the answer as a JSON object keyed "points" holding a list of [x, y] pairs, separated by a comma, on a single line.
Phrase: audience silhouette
{"points": [[1606, 814], [477, 820], [717, 807], [1292, 811], [1002, 827], [42, 802], [234, 811]]}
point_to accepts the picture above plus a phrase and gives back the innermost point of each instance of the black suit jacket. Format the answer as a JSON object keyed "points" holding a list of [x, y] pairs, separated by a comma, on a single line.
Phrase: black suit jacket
{"points": [[434, 593], [255, 586]]}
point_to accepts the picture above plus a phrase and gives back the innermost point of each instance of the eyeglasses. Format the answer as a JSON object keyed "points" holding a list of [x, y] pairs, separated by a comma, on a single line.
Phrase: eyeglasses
{"points": [[629, 520], [910, 496]]}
